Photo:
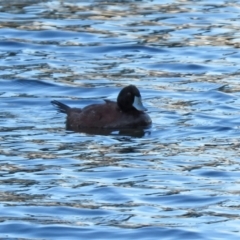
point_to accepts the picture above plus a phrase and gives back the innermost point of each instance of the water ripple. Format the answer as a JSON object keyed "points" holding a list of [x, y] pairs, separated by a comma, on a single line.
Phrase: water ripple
{"points": [[178, 179]]}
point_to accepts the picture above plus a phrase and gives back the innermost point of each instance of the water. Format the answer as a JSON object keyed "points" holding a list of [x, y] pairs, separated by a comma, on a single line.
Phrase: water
{"points": [[177, 180]]}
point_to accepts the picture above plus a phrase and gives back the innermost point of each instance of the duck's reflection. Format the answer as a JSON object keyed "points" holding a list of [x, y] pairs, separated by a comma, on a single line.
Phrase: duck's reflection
{"points": [[133, 132]]}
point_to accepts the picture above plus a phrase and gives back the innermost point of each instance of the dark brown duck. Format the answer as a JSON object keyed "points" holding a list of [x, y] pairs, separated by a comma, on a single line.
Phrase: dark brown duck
{"points": [[127, 112]]}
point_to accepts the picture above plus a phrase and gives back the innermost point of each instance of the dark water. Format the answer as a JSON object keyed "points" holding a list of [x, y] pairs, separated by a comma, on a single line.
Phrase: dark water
{"points": [[177, 180]]}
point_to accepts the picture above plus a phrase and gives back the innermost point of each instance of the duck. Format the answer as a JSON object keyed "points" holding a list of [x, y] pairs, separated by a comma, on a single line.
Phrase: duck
{"points": [[126, 113]]}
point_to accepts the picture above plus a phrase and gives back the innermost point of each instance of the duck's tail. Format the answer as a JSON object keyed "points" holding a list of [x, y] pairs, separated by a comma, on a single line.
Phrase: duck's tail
{"points": [[60, 106]]}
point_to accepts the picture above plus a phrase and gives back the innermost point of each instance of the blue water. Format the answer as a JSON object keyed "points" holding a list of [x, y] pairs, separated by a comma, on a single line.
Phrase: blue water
{"points": [[177, 180]]}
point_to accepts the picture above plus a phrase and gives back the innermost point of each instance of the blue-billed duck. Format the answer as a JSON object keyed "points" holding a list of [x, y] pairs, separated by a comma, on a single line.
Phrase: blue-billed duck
{"points": [[127, 112]]}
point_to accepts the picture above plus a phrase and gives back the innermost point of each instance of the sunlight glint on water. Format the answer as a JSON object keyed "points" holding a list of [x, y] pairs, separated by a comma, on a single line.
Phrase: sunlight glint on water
{"points": [[177, 180]]}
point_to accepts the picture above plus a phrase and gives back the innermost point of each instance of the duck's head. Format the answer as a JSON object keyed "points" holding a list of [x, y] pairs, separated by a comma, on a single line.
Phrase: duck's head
{"points": [[129, 98]]}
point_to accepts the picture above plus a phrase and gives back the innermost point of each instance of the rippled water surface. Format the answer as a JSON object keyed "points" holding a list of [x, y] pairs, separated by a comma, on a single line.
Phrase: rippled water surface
{"points": [[177, 180]]}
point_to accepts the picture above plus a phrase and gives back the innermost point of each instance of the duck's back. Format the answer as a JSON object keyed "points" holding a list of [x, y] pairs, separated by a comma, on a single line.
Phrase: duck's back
{"points": [[106, 115]]}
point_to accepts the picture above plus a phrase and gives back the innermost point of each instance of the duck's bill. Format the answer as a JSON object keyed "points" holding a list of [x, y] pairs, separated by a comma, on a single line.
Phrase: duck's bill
{"points": [[138, 104]]}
